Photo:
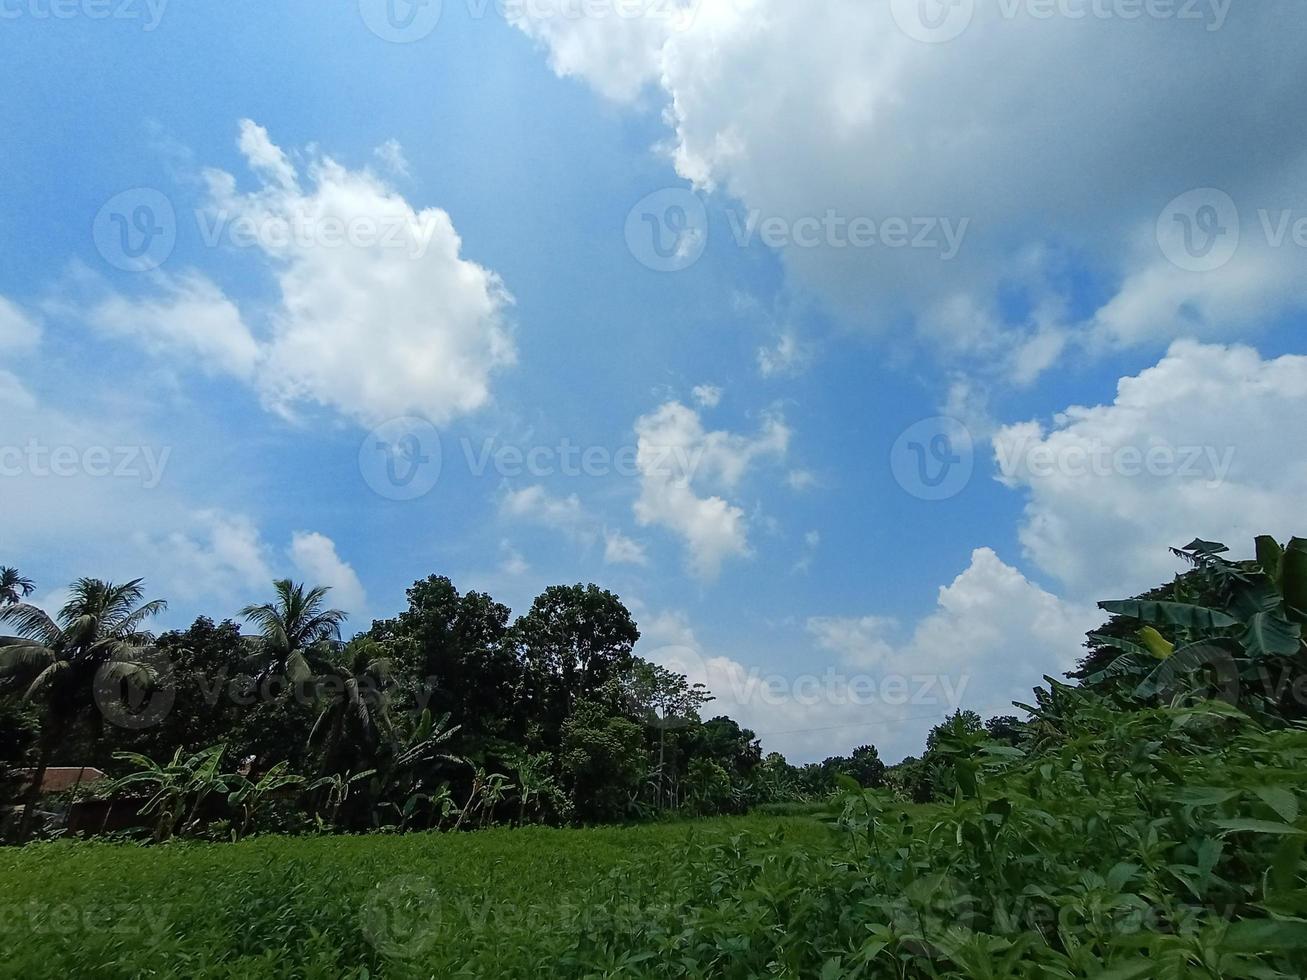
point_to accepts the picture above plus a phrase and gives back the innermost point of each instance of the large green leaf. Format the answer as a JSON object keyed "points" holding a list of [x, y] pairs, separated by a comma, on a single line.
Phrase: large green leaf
{"points": [[1269, 555], [1293, 579], [1257, 596], [1201, 547], [1271, 635], [1170, 613]]}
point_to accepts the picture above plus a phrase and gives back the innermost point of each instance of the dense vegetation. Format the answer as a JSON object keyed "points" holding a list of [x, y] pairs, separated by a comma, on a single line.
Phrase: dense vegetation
{"points": [[1146, 822], [447, 716]]}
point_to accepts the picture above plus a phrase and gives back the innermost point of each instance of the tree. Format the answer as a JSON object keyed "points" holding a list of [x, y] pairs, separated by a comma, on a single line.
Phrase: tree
{"points": [[352, 706], [94, 646], [13, 587], [575, 641], [1004, 728], [603, 762], [292, 624], [451, 650], [865, 766], [663, 699], [735, 749]]}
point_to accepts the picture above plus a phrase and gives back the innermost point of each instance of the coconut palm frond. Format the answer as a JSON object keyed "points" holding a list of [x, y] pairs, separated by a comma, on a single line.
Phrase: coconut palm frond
{"points": [[31, 622]]}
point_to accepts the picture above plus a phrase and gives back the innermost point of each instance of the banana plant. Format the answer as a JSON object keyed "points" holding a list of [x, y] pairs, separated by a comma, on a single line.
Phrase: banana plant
{"points": [[179, 787], [1250, 613], [248, 795], [339, 787]]}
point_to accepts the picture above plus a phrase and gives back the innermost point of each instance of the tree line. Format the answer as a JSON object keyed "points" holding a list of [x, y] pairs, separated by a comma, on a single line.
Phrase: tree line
{"points": [[451, 714]]}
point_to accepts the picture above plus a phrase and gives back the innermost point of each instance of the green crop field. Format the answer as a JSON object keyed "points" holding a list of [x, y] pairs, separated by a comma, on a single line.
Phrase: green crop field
{"points": [[1161, 843], [498, 903]]}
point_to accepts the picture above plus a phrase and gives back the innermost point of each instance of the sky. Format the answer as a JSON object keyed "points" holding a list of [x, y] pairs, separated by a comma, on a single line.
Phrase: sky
{"points": [[860, 346]]}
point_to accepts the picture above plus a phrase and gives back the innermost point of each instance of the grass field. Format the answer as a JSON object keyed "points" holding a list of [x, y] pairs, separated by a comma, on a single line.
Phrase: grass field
{"points": [[526, 902], [1155, 844]]}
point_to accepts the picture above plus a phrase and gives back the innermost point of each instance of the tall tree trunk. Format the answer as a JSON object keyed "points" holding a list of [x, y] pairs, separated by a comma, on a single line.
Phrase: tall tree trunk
{"points": [[662, 739], [51, 735]]}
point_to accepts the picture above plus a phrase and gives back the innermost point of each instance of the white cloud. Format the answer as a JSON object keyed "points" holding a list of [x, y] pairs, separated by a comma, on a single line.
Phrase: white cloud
{"points": [[811, 542], [391, 155], [189, 317], [315, 557], [786, 357], [707, 396], [799, 111], [674, 455], [211, 554], [800, 480], [535, 505], [19, 333], [513, 564], [621, 550], [265, 158], [380, 316], [991, 638], [1192, 447]]}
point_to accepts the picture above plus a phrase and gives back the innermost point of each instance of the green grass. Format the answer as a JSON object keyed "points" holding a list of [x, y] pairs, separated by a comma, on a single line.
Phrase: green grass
{"points": [[1146, 845], [497, 903]]}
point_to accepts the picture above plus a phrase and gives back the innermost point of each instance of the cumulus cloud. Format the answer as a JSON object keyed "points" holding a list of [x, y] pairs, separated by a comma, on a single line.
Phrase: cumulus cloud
{"points": [[188, 316], [212, 554], [1194, 446], [379, 315], [991, 637], [834, 112], [675, 456], [536, 505], [314, 556]]}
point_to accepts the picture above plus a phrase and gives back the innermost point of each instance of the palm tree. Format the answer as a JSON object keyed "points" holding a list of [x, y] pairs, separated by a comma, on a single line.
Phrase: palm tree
{"points": [[13, 587], [293, 624], [62, 662], [351, 696]]}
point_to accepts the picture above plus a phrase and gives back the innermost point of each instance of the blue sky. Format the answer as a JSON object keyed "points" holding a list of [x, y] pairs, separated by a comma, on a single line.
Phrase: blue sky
{"points": [[512, 150]]}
